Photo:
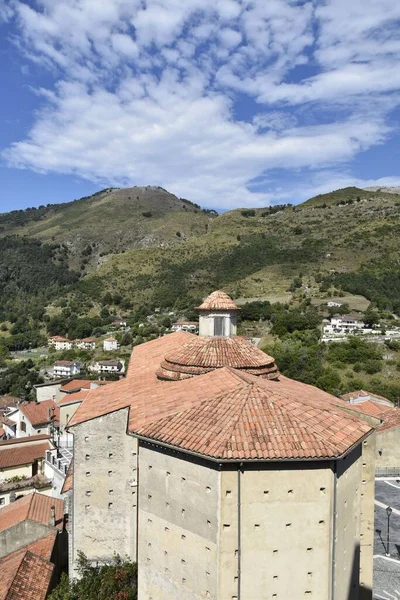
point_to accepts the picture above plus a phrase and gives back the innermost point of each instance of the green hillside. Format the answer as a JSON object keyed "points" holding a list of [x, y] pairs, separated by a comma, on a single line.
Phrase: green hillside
{"points": [[146, 245]]}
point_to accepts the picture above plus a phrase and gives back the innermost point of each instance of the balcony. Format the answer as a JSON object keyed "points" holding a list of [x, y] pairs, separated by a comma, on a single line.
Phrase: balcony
{"points": [[59, 459], [37, 482]]}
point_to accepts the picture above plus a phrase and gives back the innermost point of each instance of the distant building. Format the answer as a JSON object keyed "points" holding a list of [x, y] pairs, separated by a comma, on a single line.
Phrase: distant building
{"points": [[110, 344], [22, 467], [60, 343], [120, 323], [343, 325], [66, 368], [109, 366], [360, 396], [86, 344], [191, 326]]}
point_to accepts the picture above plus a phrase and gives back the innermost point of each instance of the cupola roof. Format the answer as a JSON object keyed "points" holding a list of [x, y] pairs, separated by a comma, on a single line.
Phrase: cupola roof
{"points": [[204, 354], [218, 300]]}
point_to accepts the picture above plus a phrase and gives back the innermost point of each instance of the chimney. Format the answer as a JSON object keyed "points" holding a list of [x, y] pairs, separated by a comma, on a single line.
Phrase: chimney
{"points": [[52, 520]]}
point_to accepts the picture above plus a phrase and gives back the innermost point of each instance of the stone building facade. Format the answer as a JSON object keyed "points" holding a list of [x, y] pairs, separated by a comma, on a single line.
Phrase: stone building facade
{"points": [[222, 478]]}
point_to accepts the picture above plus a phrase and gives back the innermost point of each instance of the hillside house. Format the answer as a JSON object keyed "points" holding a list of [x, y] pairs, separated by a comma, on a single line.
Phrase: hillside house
{"points": [[23, 458], [86, 344], [343, 325], [110, 344], [119, 323], [33, 547], [60, 343], [35, 418], [222, 474], [191, 326], [333, 304], [109, 366], [66, 368]]}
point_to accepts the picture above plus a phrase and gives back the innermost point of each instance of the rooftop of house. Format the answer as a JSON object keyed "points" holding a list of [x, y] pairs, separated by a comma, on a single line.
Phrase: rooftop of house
{"points": [[32, 507], [6, 401], [388, 415], [23, 451], [7, 421], [76, 384], [40, 413], [25, 575], [59, 338], [25, 440], [88, 340], [64, 363], [367, 395], [109, 363], [111, 339], [72, 398], [307, 422], [218, 300]]}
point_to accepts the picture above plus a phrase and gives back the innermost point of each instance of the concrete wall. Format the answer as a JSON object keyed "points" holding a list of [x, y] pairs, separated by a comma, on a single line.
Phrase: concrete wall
{"points": [[285, 532], [67, 411], [47, 392], [179, 527], [20, 535], [20, 471], [388, 448], [104, 500], [347, 526], [367, 516], [206, 323]]}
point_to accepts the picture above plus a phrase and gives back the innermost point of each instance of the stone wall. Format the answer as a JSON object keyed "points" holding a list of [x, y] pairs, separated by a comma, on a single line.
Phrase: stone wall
{"points": [[104, 498]]}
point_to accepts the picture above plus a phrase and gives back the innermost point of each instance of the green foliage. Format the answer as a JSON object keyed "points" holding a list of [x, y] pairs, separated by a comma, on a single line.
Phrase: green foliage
{"points": [[117, 581], [296, 319], [248, 213], [19, 379]]}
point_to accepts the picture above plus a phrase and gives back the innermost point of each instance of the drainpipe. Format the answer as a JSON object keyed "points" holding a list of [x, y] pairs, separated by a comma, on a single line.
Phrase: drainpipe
{"points": [[239, 500], [334, 530]]}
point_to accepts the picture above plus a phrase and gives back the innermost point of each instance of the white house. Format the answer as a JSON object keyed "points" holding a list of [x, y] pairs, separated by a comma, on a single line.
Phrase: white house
{"points": [[191, 326], [86, 344], [33, 418], [109, 366], [119, 323], [343, 325], [60, 343], [110, 344], [66, 368]]}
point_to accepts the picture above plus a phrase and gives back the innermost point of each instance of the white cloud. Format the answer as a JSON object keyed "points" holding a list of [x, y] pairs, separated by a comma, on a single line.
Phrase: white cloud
{"points": [[147, 91]]}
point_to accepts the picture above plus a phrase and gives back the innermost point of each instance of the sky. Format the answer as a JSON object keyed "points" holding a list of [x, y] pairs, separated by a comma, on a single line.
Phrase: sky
{"points": [[228, 103]]}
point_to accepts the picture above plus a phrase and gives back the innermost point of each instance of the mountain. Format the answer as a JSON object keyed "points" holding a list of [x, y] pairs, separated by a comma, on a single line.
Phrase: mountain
{"points": [[387, 189], [109, 222], [147, 245]]}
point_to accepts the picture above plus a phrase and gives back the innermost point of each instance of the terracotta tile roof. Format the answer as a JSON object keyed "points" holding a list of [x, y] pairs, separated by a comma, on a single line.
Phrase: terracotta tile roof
{"points": [[24, 576], [363, 394], [368, 408], [59, 338], [260, 420], [8, 401], [307, 421], [21, 440], [43, 546], [88, 340], [391, 419], [40, 413], [69, 479], [218, 300], [110, 340], [7, 421], [32, 507], [22, 454], [76, 384], [72, 398], [202, 354]]}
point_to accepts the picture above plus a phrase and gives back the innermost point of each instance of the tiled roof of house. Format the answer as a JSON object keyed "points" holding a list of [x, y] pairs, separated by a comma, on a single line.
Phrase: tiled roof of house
{"points": [[390, 416], [296, 408], [24, 576], [391, 419], [88, 340], [32, 507], [110, 340], [369, 408], [218, 300], [260, 420], [72, 398], [8, 401], [76, 384], [21, 440], [7, 421], [23, 453], [363, 394], [69, 479], [203, 354], [109, 363], [40, 413], [43, 546], [59, 338]]}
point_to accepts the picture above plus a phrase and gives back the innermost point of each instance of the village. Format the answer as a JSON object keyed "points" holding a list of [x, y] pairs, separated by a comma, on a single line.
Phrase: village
{"points": [[68, 462]]}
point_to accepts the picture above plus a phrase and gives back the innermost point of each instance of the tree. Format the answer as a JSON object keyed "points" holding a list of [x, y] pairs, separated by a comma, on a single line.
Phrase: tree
{"points": [[117, 581]]}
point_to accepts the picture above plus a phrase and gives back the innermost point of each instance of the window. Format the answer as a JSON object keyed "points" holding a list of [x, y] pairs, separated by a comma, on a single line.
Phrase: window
{"points": [[2, 501], [219, 325], [22, 426]]}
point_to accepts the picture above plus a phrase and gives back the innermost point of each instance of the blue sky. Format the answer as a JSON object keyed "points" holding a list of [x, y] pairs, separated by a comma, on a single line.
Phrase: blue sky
{"points": [[226, 102]]}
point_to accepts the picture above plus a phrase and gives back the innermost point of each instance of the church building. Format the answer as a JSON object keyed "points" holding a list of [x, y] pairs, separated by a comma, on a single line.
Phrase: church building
{"points": [[222, 478]]}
